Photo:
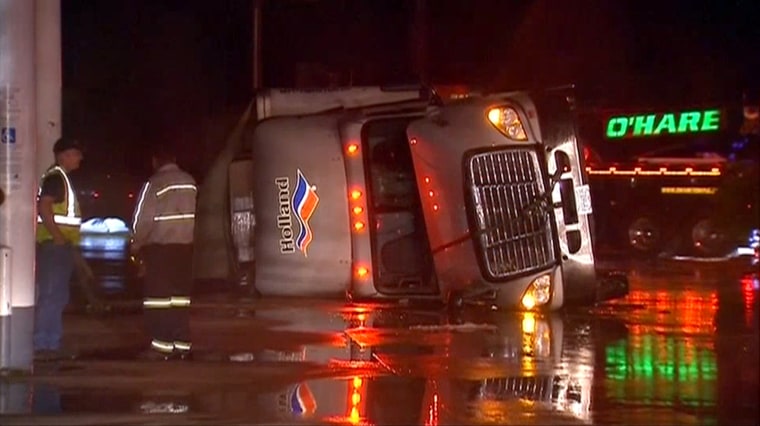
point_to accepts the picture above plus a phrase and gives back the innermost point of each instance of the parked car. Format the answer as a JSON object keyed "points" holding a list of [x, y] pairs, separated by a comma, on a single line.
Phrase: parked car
{"points": [[107, 194]]}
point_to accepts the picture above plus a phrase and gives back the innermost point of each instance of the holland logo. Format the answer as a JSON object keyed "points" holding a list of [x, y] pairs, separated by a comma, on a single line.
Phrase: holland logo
{"points": [[302, 204], [302, 401]]}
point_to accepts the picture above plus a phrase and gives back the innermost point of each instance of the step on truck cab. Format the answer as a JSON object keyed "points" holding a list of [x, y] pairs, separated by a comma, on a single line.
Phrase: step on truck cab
{"points": [[391, 196]]}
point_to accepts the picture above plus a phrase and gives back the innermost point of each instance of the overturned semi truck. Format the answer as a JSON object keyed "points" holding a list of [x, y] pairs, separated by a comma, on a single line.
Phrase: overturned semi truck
{"points": [[373, 193]]}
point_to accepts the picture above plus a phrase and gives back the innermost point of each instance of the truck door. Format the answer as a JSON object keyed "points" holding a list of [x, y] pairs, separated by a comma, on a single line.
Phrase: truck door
{"points": [[397, 241]]}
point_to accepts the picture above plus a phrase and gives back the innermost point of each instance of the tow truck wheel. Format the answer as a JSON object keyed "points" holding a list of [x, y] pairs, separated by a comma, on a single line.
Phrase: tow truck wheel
{"points": [[707, 238], [643, 234]]}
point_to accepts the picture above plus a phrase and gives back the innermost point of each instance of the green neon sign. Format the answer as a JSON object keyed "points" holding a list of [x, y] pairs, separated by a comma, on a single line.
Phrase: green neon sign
{"points": [[640, 125]]}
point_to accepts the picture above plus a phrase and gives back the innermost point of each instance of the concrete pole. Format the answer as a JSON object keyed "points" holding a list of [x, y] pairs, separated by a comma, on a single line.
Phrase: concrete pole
{"points": [[18, 179], [49, 80]]}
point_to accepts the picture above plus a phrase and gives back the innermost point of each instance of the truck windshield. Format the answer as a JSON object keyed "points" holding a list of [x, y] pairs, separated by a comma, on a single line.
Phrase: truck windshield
{"points": [[390, 166]]}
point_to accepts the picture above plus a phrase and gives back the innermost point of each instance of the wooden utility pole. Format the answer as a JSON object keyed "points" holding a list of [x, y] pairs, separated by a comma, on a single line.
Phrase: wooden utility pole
{"points": [[257, 46], [420, 41]]}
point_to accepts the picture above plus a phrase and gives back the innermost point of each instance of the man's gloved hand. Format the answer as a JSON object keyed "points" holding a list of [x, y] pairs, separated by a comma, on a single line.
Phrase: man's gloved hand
{"points": [[134, 257], [138, 264]]}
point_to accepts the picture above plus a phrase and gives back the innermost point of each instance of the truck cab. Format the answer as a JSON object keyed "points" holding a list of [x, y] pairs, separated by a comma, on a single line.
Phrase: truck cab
{"points": [[397, 194]]}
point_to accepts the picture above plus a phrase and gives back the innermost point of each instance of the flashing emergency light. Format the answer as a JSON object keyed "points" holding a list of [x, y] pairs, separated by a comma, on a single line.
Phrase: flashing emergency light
{"points": [[359, 226], [352, 148], [355, 194], [754, 238], [358, 210], [507, 121]]}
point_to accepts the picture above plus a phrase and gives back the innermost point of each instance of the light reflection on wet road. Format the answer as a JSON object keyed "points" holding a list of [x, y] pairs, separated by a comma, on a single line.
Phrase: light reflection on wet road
{"points": [[681, 349]]}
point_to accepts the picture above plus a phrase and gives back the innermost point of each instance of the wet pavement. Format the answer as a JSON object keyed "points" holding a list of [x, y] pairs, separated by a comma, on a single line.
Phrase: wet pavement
{"points": [[682, 348]]}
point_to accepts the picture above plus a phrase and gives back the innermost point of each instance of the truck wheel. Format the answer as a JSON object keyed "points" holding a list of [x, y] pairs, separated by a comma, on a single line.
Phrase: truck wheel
{"points": [[643, 235], [708, 239]]}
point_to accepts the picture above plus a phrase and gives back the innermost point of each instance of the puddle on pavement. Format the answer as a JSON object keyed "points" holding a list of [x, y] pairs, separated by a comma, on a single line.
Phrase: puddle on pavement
{"points": [[686, 354]]}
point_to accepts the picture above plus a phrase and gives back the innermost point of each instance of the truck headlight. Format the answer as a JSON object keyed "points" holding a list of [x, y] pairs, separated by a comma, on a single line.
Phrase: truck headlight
{"points": [[538, 292], [508, 122]]}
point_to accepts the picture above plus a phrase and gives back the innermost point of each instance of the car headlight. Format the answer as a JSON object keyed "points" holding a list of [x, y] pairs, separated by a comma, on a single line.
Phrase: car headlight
{"points": [[508, 122]]}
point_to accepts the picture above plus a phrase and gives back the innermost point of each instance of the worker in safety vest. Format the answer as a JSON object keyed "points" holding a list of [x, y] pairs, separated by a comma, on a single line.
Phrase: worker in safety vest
{"points": [[163, 225], [58, 224]]}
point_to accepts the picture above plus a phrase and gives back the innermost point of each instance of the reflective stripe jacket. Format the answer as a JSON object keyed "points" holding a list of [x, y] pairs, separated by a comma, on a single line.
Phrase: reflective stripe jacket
{"points": [[165, 211], [66, 214]]}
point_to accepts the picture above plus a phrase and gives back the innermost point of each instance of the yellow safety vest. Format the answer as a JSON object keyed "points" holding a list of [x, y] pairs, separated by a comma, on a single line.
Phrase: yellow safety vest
{"points": [[66, 214]]}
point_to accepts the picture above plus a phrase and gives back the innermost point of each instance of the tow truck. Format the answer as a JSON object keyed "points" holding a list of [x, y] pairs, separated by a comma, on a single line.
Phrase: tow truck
{"points": [[676, 184], [392, 193]]}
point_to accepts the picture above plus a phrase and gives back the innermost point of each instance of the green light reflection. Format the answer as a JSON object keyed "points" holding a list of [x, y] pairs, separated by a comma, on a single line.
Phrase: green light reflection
{"points": [[668, 370]]}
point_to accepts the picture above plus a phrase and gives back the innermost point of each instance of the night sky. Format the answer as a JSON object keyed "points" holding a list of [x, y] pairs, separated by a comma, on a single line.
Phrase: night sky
{"points": [[140, 71]]}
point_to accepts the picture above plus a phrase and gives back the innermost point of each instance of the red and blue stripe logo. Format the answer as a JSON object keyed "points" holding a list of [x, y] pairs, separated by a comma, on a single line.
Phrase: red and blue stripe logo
{"points": [[302, 401], [305, 200]]}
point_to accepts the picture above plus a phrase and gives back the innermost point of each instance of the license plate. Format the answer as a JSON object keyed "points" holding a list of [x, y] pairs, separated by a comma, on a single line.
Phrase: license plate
{"points": [[583, 199]]}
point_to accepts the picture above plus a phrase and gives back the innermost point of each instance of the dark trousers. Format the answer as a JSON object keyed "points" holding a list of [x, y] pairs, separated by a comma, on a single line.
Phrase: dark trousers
{"points": [[55, 264], [168, 282]]}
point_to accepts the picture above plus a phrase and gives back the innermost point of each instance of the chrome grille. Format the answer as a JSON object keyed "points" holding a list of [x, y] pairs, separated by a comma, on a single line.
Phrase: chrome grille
{"points": [[512, 237]]}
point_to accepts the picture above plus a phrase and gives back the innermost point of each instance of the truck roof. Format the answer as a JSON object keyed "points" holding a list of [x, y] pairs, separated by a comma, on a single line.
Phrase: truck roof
{"points": [[277, 102]]}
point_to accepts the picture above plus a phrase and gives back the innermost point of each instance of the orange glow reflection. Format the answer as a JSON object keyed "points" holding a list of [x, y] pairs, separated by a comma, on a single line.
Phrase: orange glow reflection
{"points": [[691, 311], [748, 292], [355, 398], [432, 419]]}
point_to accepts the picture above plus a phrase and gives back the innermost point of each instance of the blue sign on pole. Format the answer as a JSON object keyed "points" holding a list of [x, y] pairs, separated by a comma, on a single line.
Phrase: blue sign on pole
{"points": [[8, 135]]}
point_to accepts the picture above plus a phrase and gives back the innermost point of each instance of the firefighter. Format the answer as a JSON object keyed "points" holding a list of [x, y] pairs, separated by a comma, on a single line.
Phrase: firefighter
{"points": [[162, 226], [57, 237]]}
